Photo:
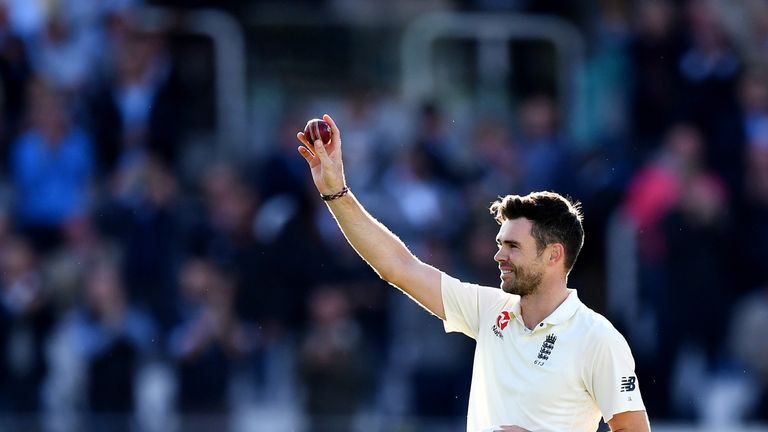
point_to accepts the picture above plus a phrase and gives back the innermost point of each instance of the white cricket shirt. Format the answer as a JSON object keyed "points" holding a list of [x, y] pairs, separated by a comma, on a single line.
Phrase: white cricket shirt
{"points": [[560, 376]]}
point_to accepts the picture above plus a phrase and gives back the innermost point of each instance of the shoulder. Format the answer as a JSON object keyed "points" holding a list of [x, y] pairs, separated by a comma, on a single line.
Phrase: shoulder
{"points": [[449, 282], [598, 330], [484, 299]]}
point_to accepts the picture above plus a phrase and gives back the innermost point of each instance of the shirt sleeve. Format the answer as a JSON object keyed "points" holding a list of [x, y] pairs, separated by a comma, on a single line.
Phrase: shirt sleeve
{"points": [[464, 304], [613, 382]]}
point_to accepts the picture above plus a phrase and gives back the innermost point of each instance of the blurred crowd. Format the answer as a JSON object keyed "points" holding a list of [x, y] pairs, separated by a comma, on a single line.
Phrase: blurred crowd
{"points": [[134, 289]]}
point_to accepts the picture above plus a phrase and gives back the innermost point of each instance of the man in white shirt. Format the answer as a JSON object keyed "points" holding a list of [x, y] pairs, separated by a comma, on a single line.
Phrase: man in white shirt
{"points": [[544, 361]]}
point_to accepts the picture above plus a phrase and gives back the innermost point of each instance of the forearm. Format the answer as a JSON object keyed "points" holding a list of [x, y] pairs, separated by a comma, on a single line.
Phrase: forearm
{"points": [[378, 246], [374, 242]]}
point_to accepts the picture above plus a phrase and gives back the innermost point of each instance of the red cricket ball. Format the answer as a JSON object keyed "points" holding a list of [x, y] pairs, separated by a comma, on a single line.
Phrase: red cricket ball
{"points": [[317, 129]]}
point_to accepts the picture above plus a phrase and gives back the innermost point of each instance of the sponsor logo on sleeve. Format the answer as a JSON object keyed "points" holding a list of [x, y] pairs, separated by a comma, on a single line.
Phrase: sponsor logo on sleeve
{"points": [[628, 383]]}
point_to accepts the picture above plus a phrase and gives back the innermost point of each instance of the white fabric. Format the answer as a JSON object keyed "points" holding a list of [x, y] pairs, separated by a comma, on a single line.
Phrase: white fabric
{"points": [[519, 377]]}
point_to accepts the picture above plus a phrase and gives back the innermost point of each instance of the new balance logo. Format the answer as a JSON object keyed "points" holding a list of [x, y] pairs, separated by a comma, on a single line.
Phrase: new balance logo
{"points": [[628, 383]]}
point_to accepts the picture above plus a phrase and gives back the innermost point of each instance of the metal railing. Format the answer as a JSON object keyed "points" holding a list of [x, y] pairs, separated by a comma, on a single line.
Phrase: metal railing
{"points": [[493, 32], [229, 64]]}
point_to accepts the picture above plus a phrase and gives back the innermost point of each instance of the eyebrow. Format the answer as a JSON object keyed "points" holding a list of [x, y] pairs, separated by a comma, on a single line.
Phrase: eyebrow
{"points": [[507, 242]]}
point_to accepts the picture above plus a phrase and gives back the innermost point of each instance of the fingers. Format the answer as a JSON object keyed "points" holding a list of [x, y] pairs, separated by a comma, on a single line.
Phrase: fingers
{"points": [[303, 139], [322, 152], [336, 134], [330, 121], [306, 154], [305, 150], [335, 143]]}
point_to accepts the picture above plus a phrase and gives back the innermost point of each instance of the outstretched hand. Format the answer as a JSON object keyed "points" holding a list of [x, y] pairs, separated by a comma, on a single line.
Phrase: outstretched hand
{"points": [[324, 160]]}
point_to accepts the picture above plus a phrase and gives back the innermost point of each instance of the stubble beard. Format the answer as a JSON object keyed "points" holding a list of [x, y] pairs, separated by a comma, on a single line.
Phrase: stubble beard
{"points": [[523, 283]]}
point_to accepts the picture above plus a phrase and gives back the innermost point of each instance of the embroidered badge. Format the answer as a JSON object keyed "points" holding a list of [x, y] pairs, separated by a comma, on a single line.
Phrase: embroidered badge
{"points": [[546, 349]]}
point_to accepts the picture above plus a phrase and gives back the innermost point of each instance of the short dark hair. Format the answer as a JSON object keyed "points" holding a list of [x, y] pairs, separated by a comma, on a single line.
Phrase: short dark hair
{"points": [[556, 219]]}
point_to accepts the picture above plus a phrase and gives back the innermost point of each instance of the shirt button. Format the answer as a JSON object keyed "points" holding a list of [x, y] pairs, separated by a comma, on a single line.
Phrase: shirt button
{"points": [[541, 325]]}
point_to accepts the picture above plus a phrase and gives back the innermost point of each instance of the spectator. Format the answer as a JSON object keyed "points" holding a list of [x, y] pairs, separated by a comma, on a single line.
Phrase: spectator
{"points": [[753, 220], [496, 166], [750, 346], [709, 67], [418, 189], [436, 140], [14, 75], [542, 148], [656, 187], [366, 146], [65, 269], [655, 90], [52, 167], [334, 363], [747, 127], [153, 221], [699, 265], [26, 320], [653, 193], [133, 113], [208, 340], [62, 54], [231, 205], [112, 338]]}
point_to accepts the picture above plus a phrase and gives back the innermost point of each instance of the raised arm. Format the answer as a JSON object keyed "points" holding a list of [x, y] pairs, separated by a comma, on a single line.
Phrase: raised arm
{"points": [[376, 244]]}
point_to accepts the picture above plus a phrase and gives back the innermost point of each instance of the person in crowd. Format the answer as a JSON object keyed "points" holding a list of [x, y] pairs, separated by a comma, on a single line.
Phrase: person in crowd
{"points": [[112, 339], [334, 363], [208, 341], [52, 167], [26, 320]]}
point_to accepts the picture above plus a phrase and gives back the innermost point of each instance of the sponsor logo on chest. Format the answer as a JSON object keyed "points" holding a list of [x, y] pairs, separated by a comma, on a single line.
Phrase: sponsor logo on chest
{"points": [[502, 321]]}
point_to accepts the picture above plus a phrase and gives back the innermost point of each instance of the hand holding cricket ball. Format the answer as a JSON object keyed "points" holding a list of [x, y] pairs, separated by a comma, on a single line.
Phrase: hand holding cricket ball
{"points": [[321, 149]]}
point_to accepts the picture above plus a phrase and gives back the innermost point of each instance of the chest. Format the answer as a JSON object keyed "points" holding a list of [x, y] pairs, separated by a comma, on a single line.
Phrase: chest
{"points": [[535, 366]]}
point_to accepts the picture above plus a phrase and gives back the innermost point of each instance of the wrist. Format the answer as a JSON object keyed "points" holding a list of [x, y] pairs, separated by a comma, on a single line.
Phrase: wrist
{"points": [[335, 195]]}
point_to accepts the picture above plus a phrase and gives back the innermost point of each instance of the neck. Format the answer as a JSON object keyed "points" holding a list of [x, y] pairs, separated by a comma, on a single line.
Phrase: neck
{"points": [[535, 307]]}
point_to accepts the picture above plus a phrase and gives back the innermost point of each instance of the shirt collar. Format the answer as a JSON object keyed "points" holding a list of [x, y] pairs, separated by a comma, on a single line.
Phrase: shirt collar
{"points": [[566, 309], [563, 312]]}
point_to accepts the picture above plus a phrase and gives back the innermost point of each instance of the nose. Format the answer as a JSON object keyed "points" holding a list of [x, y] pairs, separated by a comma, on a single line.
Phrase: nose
{"points": [[498, 256]]}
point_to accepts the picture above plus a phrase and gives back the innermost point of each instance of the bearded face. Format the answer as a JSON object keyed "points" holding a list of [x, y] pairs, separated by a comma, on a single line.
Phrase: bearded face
{"points": [[522, 280], [519, 259]]}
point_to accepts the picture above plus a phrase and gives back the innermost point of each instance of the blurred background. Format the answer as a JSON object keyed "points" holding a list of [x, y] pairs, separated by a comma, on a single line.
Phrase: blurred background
{"points": [[167, 265]]}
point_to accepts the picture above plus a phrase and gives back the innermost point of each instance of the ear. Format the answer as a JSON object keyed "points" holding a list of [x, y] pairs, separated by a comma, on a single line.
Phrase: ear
{"points": [[556, 254]]}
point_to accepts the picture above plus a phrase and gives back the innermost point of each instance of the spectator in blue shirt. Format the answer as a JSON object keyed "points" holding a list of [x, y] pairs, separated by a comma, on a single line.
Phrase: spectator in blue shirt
{"points": [[51, 165]]}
